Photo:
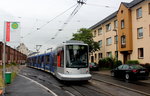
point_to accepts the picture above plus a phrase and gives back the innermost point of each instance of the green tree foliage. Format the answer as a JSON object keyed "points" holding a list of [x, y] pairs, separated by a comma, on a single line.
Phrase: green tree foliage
{"points": [[86, 36]]}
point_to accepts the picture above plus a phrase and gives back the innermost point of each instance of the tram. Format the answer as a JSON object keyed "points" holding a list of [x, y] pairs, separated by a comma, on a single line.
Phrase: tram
{"points": [[68, 62]]}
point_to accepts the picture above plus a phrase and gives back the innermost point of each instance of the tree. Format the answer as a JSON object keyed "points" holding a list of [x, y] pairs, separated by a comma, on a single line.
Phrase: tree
{"points": [[86, 36]]}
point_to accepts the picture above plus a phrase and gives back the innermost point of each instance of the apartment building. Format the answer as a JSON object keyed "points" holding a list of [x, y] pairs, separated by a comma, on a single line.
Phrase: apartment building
{"points": [[125, 32]]}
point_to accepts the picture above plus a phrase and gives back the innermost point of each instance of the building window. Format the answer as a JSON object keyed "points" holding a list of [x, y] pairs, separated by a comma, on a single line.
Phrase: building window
{"points": [[95, 56], [115, 24], [109, 41], [122, 24], [109, 54], [100, 43], [116, 39], [140, 53], [116, 54], [123, 41], [100, 31], [108, 27], [140, 33], [121, 11], [95, 33], [139, 12], [100, 55], [92, 58]]}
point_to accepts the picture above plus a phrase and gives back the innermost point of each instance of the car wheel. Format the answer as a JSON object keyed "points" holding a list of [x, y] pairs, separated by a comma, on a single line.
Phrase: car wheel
{"points": [[127, 77], [112, 74]]}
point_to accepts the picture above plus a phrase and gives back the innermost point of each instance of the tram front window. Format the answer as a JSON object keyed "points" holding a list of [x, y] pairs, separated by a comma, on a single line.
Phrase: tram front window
{"points": [[77, 56]]}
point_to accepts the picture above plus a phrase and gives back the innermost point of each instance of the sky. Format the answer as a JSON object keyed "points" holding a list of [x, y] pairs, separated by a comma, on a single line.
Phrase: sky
{"points": [[35, 14]]}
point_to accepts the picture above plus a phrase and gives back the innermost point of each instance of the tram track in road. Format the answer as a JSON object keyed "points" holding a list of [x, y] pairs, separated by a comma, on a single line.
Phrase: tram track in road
{"points": [[78, 88], [120, 86], [72, 88], [84, 90]]}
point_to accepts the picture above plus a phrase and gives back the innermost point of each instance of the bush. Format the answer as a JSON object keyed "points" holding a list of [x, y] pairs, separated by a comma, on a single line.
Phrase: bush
{"points": [[147, 65], [132, 62], [117, 63], [13, 63], [107, 62]]}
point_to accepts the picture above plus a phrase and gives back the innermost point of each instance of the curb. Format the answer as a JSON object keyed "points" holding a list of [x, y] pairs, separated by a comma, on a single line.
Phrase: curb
{"points": [[134, 90]]}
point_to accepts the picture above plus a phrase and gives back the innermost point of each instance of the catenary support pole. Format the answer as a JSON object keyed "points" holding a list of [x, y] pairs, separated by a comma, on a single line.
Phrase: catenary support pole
{"points": [[4, 57]]}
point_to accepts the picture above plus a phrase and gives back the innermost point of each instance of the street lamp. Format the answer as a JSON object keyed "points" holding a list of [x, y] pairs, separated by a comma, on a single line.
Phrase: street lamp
{"points": [[116, 44]]}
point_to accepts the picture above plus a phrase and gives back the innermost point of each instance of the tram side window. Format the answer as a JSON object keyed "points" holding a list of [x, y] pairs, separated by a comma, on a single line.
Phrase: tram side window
{"points": [[42, 60], [47, 59], [34, 60], [55, 59], [39, 60]]}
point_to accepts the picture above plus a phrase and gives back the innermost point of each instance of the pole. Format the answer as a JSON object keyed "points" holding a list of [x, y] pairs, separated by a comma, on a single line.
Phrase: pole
{"points": [[117, 45], [4, 57]]}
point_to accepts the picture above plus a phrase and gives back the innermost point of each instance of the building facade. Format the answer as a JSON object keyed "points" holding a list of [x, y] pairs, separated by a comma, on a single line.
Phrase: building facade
{"points": [[126, 32], [12, 55], [23, 49]]}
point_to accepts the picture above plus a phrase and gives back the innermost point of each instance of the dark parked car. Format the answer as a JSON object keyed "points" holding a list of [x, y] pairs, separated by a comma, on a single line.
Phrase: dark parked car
{"points": [[93, 66], [130, 71]]}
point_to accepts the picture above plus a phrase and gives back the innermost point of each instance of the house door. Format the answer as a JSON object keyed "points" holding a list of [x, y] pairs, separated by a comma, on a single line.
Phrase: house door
{"points": [[126, 57], [92, 58]]}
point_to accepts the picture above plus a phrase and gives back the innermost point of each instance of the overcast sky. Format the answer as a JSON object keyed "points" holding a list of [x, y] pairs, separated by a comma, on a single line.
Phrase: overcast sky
{"points": [[33, 14]]}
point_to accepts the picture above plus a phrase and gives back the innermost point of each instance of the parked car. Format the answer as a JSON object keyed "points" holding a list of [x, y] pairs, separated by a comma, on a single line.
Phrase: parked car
{"points": [[93, 66], [130, 71]]}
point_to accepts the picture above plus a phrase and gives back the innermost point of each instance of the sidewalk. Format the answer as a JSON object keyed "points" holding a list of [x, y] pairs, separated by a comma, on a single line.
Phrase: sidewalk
{"points": [[22, 86], [107, 72], [104, 72]]}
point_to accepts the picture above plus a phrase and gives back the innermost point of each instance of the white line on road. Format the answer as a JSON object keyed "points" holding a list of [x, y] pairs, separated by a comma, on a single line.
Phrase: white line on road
{"points": [[39, 85]]}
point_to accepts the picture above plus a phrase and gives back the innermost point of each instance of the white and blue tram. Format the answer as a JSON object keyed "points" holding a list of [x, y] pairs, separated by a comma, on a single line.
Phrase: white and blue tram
{"points": [[67, 62]]}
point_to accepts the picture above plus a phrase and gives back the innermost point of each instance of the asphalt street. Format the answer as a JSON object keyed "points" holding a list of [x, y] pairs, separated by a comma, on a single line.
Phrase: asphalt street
{"points": [[33, 82]]}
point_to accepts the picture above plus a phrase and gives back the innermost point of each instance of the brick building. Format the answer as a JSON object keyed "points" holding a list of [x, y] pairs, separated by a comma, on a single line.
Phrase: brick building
{"points": [[12, 55]]}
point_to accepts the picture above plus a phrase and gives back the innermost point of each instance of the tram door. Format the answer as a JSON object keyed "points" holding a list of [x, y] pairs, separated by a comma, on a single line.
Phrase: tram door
{"points": [[60, 60]]}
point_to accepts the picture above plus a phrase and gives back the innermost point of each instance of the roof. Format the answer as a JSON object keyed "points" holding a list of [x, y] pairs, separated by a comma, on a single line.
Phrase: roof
{"points": [[128, 5], [104, 20], [132, 4]]}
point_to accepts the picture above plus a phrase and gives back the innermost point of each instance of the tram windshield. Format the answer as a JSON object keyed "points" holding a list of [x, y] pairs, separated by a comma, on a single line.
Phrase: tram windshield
{"points": [[77, 56]]}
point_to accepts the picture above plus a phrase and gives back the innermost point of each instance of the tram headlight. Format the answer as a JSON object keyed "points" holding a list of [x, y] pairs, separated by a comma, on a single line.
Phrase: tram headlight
{"points": [[67, 72]]}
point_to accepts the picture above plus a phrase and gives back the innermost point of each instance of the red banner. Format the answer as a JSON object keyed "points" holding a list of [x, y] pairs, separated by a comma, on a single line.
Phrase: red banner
{"points": [[7, 31]]}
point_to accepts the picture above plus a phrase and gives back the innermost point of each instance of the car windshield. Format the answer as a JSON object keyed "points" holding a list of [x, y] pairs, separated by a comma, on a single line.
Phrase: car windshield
{"points": [[136, 67], [77, 56], [92, 64]]}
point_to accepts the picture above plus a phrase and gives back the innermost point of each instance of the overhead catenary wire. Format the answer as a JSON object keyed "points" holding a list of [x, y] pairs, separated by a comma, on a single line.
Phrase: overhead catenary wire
{"points": [[97, 5], [49, 21], [74, 12]]}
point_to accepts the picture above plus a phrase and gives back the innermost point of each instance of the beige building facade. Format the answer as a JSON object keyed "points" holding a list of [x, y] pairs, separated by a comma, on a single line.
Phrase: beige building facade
{"points": [[126, 32], [141, 32]]}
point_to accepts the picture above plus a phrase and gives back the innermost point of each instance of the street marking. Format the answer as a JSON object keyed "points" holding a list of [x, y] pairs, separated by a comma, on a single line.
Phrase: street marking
{"points": [[134, 90], [39, 85]]}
